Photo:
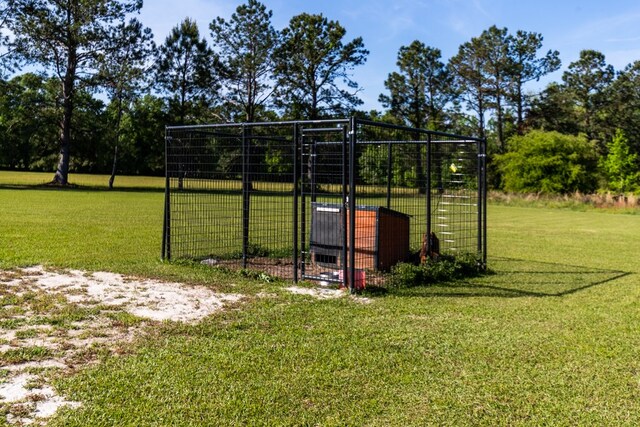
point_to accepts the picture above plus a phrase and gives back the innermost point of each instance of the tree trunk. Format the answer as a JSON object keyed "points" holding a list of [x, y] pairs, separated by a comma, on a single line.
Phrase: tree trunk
{"points": [[112, 178], [62, 171], [68, 85], [500, 119], [115, 150], [520, 101], [481, 117]]}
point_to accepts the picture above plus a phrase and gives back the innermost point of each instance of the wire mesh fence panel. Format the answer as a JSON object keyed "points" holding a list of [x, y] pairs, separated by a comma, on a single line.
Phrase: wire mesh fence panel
{"points": [[204, 190], [268, 199], [325, 200], [392, 170], [391, 195], [324, 154], [455, 203]]}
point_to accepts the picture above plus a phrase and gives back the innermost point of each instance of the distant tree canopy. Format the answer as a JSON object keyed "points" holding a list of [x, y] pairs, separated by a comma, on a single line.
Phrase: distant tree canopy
{"points": [[5, 60], [29, 122], [527, 66], [419, 93], [98, 93], [123, 75]]}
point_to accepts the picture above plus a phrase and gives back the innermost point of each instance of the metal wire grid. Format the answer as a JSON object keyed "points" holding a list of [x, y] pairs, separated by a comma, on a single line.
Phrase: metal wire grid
{"points": [[203, 185], [269, 161], [393, 173], [455, 201], [243, 194], [324, 151]]}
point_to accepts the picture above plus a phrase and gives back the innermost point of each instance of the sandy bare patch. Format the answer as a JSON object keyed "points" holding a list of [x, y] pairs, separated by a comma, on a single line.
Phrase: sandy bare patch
{"points": [[62, 321], [36, 403], [320, 293], [145, 298], [323, 292]]}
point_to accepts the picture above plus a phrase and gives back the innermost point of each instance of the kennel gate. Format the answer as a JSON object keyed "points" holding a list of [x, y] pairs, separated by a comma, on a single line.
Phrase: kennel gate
{"points": [[243, 195]]}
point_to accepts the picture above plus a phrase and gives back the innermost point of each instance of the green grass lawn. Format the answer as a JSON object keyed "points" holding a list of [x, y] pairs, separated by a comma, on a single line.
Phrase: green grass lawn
{"points": [[21, 179], [550, 339]]}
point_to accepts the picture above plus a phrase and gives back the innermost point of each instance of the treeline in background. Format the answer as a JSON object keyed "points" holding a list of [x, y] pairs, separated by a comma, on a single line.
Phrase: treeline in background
{"points": [[84, 88]]}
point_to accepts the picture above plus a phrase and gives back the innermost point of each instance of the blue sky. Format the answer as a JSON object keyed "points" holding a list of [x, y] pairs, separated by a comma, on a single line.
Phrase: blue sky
{"points": [[569, 26]]}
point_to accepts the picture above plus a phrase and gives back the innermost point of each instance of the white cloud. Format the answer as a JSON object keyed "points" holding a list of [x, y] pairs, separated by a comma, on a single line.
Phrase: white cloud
{"points": [[477, 4], [623, 40], [466, 18], [608, 28]]}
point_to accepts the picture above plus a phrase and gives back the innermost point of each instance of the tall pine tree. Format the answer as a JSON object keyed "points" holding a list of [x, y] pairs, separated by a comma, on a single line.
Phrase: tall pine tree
{"points": [[527, 66], [187, 73], [313, 70], [123, 74], [246, 44], [587, 80], [82, 31]]}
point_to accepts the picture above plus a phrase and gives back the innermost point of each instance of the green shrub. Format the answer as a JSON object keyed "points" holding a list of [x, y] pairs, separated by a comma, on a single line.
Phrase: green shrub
{"points": [[549, 162], [620, 166], [405, 275], [443, 269]]}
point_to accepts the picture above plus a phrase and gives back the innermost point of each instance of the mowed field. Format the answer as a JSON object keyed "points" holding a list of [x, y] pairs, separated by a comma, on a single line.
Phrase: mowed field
{"points": [[552, 337]]}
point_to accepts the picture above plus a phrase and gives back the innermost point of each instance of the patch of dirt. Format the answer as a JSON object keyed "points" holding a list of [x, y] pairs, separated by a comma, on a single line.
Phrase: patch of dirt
{"points": [[320, 293], [327, 293], [53, 323]]}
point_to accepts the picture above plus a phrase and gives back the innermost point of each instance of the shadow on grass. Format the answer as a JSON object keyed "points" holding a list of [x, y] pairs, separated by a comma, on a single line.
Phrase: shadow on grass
{"points": [[144, 189], [83, 188], [522, 278]]}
